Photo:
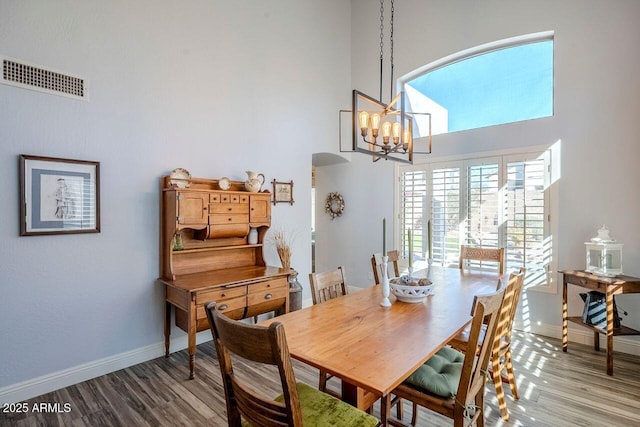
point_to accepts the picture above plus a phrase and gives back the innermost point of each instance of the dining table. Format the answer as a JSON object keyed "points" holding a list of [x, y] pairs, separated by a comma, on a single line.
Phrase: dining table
{"points": [[372, 348]]}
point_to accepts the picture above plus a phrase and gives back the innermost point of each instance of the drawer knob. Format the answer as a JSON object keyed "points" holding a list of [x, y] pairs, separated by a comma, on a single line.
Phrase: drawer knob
{"points": [[268, 296], [223, 307], [229, 219]]}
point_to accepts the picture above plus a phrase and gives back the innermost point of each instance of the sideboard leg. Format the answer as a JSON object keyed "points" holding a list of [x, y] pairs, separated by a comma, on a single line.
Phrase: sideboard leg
{"points": [[609, 330], [167, 328], [565, 321]]}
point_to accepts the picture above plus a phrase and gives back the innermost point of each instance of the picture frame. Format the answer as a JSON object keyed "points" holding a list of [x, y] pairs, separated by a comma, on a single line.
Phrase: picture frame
{"points": [[282, 192], [58, 196]]}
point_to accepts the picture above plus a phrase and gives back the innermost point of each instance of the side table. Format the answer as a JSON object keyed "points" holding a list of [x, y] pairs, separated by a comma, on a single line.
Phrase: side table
{"points": [[609, 286]]}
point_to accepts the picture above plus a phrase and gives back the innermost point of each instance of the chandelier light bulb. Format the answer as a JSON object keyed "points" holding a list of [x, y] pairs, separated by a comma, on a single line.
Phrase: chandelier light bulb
{"points": [[406, 139], [386, 132], [396, 132], [375, 124], [364, 122]]}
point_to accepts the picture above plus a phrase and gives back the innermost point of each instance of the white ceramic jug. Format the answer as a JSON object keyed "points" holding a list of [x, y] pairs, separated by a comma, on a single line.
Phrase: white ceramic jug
{"points": [[253, 183]]}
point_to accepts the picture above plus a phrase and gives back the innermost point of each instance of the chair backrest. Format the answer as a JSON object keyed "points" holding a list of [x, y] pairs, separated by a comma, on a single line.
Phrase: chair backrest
{"points": [[376, 264], [327, 285], [267, 345], [485, 310], [482, 254], [510, 305]]}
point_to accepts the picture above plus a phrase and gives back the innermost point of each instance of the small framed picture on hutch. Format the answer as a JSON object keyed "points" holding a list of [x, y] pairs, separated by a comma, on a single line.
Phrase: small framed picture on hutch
{"points": [[282, 192], [58, 196]]}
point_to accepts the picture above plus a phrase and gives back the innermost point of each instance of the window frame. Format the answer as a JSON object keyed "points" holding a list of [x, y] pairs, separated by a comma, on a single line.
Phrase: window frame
{"points": [[478, 51], [503, 157]]}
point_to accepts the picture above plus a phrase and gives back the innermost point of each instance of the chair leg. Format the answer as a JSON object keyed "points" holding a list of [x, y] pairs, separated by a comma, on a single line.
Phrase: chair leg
{"points": [[511, 375], [480, 407], [414, 414], [497, 382]]}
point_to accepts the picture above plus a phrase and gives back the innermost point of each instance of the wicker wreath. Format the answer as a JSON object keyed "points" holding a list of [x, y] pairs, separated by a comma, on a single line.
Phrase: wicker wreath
{"points": [[334, 205]]}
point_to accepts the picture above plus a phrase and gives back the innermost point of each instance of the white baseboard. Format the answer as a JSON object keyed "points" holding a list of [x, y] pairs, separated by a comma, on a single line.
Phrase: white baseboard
{"points": [[74, 375], [47, 383]]}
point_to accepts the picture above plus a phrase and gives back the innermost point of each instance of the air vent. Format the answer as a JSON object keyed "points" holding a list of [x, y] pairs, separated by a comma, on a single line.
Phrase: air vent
{"points": [[27, 76]]}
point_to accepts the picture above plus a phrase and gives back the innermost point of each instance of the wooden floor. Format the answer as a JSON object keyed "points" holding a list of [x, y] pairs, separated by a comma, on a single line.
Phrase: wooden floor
{"points": [[556, 389]]}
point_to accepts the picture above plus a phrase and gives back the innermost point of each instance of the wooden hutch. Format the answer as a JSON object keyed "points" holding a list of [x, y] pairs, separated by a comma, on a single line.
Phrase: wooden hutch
{"points": [[205, 256]]}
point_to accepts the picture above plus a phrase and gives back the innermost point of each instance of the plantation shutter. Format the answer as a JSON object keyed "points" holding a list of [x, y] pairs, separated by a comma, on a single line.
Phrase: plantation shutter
{"points": [[445, 214], [413, 212], [525, 215]]}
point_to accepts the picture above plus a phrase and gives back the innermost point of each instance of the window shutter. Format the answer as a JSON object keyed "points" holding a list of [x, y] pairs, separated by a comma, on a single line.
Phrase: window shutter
{"points": [[445, 214], [414, 212], [525, 219]]}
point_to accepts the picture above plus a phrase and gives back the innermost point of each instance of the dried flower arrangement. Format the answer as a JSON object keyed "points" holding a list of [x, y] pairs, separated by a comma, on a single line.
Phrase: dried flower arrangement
{"points": [[282, 240]]}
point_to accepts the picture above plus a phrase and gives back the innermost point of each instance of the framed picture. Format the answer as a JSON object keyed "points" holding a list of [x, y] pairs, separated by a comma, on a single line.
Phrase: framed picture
{"points": [[282, 192], [58, 196]]}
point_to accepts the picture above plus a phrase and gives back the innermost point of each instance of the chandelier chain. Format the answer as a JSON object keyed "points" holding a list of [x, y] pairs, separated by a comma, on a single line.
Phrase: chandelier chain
{"points": [[391, 50], [381, 42]]}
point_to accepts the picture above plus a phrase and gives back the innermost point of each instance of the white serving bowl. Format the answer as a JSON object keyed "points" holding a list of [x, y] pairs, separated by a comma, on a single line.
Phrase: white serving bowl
{"points": [[410, 294]]}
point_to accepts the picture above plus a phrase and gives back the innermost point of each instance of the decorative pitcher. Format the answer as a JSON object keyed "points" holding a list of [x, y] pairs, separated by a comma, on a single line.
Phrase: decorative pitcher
{"points": [[253, 183]]}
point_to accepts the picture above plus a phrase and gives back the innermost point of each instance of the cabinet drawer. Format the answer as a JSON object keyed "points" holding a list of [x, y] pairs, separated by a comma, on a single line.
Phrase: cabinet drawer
{"points": [[219, 219], [223, 306], [218, 231], [244, 198], [220, 294], [267, 295], [230, 208], [586, 283], [214, 198], [268, 285]]}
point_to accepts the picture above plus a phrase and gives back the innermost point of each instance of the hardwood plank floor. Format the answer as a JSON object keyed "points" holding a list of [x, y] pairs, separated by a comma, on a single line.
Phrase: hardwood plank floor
{"points": [[556, 389]]}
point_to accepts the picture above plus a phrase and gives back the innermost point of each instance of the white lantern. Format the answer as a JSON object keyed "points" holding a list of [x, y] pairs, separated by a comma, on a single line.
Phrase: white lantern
{"points": [[604, 254]]}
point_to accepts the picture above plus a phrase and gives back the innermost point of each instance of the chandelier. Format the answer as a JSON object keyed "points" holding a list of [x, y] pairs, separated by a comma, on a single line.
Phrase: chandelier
{"points": [[385, 131]]}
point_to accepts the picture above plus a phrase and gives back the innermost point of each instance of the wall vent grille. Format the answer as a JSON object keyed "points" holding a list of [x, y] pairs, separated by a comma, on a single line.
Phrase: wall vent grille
{"points": [[21, 74]]}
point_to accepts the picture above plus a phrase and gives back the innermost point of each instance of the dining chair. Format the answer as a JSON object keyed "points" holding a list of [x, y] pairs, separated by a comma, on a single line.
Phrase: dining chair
{"points": [[473, 253], [298, 405], [452, 383], [325, 286], [376, 264], [501, 350]]}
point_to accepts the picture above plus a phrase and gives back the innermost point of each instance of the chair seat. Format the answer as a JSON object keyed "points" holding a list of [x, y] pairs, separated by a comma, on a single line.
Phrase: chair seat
{"points": [[320, 409], [439, 375]]}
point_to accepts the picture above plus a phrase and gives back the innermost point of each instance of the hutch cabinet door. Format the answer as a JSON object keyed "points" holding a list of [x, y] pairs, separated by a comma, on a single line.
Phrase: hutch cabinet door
{"points": [[193, 208], [259, 209]]}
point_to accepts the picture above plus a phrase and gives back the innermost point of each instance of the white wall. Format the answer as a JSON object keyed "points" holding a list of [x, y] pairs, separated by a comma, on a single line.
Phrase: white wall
{"points": [[597, 105], [216, 87]]}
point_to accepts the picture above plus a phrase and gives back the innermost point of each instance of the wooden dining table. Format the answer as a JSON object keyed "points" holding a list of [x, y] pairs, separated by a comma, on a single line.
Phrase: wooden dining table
{"points": [[371, 348]]}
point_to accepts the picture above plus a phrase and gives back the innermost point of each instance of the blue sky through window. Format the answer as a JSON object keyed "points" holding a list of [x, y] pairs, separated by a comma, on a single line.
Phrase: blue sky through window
{"points": [[502, 86]]}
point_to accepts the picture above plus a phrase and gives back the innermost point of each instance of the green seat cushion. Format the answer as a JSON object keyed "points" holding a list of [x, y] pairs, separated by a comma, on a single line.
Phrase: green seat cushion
{"points": [[439, 375], [320, 409]]}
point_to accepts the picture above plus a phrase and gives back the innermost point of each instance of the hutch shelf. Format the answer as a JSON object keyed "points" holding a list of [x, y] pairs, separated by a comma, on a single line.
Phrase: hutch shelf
{"points": [[205, 256]]}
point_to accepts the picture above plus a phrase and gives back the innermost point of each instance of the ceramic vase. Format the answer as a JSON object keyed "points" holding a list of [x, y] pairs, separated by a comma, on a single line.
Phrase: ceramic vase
{"points": [[253, 236], [253, 183]]}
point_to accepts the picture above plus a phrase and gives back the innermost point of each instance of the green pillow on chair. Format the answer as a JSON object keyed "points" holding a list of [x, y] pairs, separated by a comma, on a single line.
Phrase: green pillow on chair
{"points": [[320, 409], [439, 375]]}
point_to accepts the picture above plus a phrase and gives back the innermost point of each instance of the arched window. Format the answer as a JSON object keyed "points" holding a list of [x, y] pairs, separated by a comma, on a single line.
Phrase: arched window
{"points": [[496, 83]]}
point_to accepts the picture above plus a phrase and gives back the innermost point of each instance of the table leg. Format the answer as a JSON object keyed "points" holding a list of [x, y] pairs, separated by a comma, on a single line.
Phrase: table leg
{"points": [[358, 397], [167, 327], [385, 410], [565, 322], [609, 330]]}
